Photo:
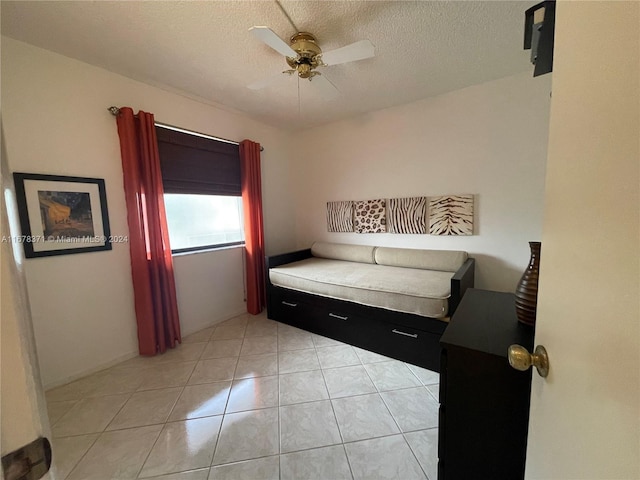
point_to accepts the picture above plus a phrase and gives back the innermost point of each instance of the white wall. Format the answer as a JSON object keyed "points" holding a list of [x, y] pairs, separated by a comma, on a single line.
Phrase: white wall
{"points": [[56, 122], [489, 140], [209, 285]]}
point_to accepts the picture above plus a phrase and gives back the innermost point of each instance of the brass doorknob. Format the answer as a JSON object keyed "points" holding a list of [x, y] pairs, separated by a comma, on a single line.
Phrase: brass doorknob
{"points": [[521, 359]]}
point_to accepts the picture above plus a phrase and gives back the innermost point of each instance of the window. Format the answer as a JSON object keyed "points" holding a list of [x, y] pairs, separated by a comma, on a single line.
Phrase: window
{"points": [[197, 222], [201, 179]]}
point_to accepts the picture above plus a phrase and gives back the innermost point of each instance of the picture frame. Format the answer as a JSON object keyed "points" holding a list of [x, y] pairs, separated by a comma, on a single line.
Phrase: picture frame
{"points": [[61, 215]]}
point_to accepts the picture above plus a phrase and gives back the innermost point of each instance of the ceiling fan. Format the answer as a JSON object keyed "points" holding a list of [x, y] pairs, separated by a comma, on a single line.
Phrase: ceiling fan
{"points": [[304, 56]]}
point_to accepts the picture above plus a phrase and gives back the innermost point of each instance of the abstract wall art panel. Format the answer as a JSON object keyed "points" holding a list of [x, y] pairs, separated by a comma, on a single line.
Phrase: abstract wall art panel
{"points": [[451, 215], [340, 216], [370, 216], [407, 215]]}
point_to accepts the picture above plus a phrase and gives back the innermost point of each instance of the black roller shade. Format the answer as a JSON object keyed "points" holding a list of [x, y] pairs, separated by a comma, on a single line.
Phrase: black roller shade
{"points": [[193, 164]]}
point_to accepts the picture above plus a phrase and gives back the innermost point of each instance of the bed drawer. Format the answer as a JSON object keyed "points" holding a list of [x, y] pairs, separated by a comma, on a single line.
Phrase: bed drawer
{"points": [[337, 323], [412, 345], [361, 326], [290, 308]]}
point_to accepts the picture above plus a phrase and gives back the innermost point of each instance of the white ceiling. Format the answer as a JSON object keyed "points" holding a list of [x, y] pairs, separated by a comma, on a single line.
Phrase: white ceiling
{"points": [[203, 49]]}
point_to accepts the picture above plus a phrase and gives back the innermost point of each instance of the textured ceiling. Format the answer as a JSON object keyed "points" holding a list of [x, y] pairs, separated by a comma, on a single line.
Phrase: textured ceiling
{"points": [[204, 50]]}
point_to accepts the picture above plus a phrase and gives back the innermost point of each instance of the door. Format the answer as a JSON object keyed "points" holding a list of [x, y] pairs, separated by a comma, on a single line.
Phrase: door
{"points": [[24, 415], [584, 421]]}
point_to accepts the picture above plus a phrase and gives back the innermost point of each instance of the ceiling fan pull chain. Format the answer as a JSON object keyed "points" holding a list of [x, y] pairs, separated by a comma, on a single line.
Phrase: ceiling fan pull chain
{"points": [[299, 115]]}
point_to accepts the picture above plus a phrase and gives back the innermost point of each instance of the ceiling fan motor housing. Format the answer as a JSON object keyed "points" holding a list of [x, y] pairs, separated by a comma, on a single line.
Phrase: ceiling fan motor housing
{"points": [[304, 44]]}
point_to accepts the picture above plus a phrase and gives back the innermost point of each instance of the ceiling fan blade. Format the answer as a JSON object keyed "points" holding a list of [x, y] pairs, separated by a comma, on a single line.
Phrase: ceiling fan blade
{"points": [[265, 82], [350, 53], [326, 89], [266, 35]]}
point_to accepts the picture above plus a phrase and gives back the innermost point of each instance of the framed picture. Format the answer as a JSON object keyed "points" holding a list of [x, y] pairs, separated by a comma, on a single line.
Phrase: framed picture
{"points": [[61, 215]]}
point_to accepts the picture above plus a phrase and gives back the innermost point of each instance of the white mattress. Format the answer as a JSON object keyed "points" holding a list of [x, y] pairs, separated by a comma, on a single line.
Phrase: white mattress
{"points": [[409, 290]]}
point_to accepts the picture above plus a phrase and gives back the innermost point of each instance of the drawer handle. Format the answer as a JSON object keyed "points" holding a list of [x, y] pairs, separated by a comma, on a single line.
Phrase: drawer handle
{"points": [[412, 335], [289, 304], [338, 316]]}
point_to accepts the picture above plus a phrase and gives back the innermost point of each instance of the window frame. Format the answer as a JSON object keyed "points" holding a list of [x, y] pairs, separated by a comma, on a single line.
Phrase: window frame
{"points": [[207, 248]]}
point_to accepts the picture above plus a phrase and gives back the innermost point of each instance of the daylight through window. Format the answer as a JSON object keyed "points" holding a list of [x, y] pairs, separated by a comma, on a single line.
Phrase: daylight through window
{"points": [[198, 222]]}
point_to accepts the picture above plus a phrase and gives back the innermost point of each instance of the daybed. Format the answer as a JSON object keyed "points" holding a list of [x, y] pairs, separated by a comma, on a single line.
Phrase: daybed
{"points": [[393, 301]]}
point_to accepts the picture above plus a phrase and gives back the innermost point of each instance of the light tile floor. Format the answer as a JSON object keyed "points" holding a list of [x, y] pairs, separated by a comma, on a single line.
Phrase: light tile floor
{"points": [[249, 398]]}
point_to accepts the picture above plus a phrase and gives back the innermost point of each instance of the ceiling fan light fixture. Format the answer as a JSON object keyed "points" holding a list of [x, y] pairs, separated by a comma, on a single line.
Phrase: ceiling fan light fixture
{"points": [[304, 70], [305, 45], [309, 54]]}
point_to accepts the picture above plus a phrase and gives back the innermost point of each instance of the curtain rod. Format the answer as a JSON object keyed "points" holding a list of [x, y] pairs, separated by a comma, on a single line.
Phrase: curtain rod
{"points": [[115, 111]]}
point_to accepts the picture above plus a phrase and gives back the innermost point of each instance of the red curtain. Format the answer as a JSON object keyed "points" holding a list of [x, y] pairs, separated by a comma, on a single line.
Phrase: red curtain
{"points": [[151, 262], [253, 228]]}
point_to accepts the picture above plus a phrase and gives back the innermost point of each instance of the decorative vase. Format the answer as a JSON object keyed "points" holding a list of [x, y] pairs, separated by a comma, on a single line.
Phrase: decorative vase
{"points": [[527, 289]]}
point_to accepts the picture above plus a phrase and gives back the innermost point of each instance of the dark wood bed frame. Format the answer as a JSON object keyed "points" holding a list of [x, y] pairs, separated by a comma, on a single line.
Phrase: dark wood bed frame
{"points": [[410, 338]]}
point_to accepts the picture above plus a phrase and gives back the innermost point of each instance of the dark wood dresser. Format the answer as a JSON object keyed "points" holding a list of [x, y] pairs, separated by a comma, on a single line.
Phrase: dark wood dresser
{"points": [[484, 403]]}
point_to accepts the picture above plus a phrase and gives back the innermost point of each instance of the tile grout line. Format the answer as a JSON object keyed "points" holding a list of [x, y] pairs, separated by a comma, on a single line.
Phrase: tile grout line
{"points": [[93, 433], [308, 449], [226, 403], [344, 449], [183, 420], [215, 448], [315, 347], [384, 403], [105, 430], [402, 432], [415, 456], [146, 458], [279, 417], [81, 457], [75, 402]]}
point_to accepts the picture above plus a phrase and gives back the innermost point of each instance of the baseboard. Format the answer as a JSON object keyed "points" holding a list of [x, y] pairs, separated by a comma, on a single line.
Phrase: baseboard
{"points": [[90, 371], [191, 330], [127, 356]]}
